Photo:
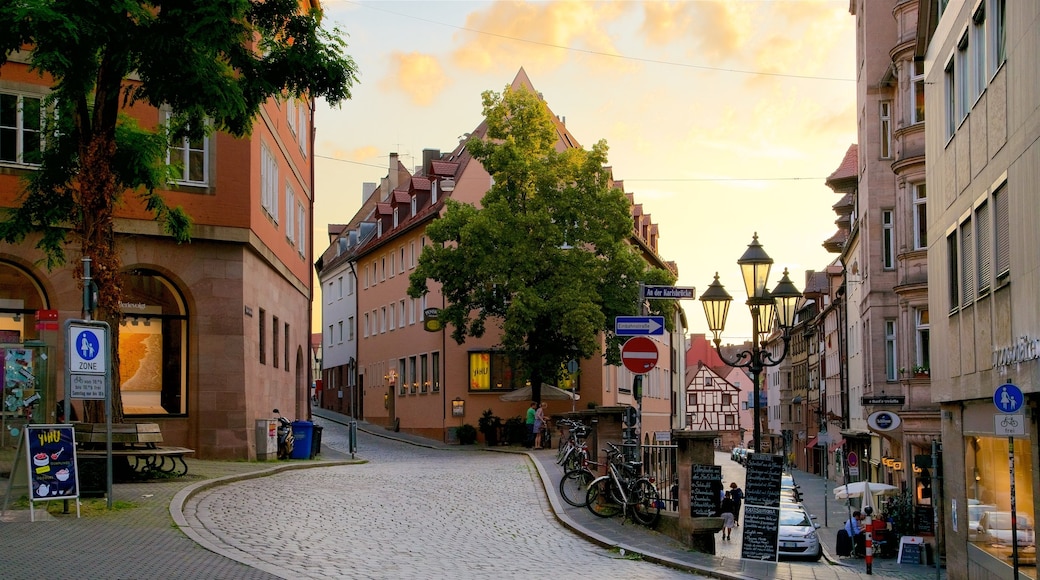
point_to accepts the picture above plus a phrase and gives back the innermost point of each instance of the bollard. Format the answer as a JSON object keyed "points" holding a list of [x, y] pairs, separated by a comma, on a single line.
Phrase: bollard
{"points": [[868, 541]]}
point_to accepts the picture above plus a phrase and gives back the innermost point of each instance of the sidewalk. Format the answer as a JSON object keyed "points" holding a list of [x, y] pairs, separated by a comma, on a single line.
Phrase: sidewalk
{"points": [[659, 548]]}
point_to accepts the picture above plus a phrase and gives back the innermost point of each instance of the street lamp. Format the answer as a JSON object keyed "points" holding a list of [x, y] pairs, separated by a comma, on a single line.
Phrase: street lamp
{"points": [[764, 305]]}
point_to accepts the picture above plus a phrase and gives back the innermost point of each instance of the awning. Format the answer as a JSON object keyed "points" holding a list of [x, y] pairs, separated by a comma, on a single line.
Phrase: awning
{"points": [[811, 443], [834, 446]]}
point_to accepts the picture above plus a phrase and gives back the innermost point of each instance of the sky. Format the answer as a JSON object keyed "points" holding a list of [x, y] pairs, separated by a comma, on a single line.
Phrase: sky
{"points": [[723, 118]]}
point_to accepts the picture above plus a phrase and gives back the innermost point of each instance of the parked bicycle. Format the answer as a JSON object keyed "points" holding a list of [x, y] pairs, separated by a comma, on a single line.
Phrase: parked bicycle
{"points": [[574, 485], [624, 491], [572, 449]]}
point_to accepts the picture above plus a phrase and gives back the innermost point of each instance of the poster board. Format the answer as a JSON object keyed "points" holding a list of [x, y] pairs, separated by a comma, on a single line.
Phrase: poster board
{"points": [[912, 550], [705, 490], [48, 471], [762, 507]]}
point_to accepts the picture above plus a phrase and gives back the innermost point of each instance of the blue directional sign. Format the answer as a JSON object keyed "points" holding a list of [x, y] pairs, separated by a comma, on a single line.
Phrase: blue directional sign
{"points": [[639, 325], [1008, 398]]}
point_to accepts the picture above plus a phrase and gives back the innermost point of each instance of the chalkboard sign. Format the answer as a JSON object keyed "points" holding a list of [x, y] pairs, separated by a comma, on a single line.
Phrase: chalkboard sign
{"points": [[705, 489], [50, 453], [912, 550], [761, 527], [924, 519], [762, 484]]}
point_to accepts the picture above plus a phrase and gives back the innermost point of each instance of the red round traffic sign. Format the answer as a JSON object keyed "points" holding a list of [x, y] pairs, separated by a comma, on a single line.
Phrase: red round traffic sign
{"points": [[639, 354]]}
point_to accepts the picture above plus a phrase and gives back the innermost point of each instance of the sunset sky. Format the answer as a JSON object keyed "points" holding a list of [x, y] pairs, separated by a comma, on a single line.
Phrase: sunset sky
{"points": [[723, 118]]}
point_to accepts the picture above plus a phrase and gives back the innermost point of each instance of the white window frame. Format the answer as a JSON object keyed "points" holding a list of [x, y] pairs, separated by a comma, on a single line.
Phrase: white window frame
{"points": [[393, 316], [998, 35], [964, 77], [290, 221], [269, 182], [920, 201], [382, 320], [19, 126], [1002, 237], [888, 239], [301, 229], [979, 47], [922, 339], [415, 205], [950, 86], [350, 328], [340, 283], [400, 319], [304, 134], [983, 248], [885, 126], [967, 265], [184, 150], [364, 329], [411, 261], [395, 217], [890, 350], [340, 331], [330, 335]]}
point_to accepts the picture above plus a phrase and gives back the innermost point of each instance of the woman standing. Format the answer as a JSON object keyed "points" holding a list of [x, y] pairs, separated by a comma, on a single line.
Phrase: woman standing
{"points": [[539, 422]]}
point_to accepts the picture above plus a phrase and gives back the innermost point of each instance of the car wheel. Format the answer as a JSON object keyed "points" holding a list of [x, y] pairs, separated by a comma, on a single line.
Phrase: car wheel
{"points": [[819, 554]]}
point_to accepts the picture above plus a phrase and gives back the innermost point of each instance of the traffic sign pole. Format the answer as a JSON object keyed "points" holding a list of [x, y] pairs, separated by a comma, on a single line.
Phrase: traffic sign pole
{"points": [[1008, 399]]}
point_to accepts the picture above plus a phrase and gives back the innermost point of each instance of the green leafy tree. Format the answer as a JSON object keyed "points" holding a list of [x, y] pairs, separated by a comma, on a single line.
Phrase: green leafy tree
{"points": [[213, 63], [547, 257]]}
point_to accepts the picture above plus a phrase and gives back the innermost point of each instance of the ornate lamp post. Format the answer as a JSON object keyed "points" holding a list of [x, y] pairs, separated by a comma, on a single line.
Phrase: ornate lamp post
{"points": [[764, 305]]}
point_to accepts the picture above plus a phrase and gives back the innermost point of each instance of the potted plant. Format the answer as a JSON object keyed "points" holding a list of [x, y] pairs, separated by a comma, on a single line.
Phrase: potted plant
{"points": [[489, 425], [921, 371], [515, 431], [467, 434]]}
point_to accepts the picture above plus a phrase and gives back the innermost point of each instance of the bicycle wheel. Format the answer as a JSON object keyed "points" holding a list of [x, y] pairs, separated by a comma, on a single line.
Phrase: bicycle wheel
{"points": [[646, 503], [574, 486], [575, 459], [600, 500]]}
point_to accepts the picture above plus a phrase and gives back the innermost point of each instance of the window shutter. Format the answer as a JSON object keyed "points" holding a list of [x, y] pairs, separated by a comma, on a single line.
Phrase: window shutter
{"points": [[1000, 228], [967, 264], [982, 244]]}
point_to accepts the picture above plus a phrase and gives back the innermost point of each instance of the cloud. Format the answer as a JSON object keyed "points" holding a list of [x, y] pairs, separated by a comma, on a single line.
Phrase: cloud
{"points": [[715, 31], [365, 153], [417, 75], [529, 34]]}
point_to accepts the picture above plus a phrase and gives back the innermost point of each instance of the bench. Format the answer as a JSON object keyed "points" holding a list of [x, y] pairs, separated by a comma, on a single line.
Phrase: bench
{"points": [[137, 441]]}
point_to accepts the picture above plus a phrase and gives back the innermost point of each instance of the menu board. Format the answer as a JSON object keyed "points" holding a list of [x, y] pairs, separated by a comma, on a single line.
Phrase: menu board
{"points": [[764, 474], [50, 454], [924, 519], [761, 527], [705, 490]]}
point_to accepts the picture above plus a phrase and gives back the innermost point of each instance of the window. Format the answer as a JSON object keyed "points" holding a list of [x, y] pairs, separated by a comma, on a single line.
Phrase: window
{"points": [[412, 257], [983, 258], [290, 220], [424, 379], [888, 243], [364, 329], [727, 399], [953, 267], [395, 217], [435, 371], [692, 399], [285, 347], [305, 132], [890, 350], [979, 62], [263, 336], [350, 329], [382, 270], [269, 182], [301, 229], [415, 204], [290, 115], [400, 320], [951, 100], [1002, 251], [274, 342], [382, 321], [329, 340], [967, 264], [987, 479], [708, 381], [917, 92], [492, 371], [730, 421], [922, 338], [920, 216], [189, 157], [339, 284], [339, 325], [413, 381], [998, 51], [433, 191], [21, 121], [401, 377], [393, 266], [393, 315], [963, 79], [402, 260], [885, 114]]}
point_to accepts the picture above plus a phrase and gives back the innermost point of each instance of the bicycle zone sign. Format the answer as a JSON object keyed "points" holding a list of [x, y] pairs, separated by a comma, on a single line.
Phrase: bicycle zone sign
{"points": [[1008, 422]]}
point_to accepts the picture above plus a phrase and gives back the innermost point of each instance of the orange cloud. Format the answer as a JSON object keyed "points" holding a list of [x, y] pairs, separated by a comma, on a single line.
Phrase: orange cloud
{"points": [[530, 33], [417, 75], [716, 30]]}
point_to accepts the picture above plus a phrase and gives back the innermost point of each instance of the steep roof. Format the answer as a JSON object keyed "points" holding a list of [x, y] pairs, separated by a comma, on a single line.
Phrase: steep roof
{"points": [[847, 171]]}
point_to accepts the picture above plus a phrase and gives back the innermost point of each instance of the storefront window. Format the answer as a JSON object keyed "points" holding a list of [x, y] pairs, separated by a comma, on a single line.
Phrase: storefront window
{"points": [[988, 479], [491, 371], [153, 349]]}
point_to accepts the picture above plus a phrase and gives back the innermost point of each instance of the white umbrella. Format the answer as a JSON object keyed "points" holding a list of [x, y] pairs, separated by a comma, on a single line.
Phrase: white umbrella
{"points": [[868, 498], [856, 489]]}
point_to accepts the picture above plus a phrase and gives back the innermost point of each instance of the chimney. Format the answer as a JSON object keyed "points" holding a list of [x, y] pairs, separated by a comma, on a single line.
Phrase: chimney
{"points": [[393, 173], [428, 155], [367, 189]]}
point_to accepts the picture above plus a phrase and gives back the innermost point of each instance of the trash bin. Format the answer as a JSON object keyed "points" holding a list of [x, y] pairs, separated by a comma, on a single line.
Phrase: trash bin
{"points": [[316, 441], [302, 434]]}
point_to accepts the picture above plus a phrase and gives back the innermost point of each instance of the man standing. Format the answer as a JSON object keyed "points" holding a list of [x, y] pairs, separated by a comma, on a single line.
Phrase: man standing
{"points": [[531, 411]]}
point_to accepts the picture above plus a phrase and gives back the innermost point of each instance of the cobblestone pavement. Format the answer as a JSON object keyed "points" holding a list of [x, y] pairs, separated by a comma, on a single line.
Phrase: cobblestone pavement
{"points": [[411, 512]]}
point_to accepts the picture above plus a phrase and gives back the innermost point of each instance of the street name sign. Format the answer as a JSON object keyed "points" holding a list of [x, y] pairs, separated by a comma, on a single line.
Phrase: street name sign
{"points": [[668, 292], [639, 325]]}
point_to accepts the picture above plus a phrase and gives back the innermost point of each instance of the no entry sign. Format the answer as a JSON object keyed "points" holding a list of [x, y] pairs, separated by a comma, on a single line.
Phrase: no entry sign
{"points": [[639, 354]]}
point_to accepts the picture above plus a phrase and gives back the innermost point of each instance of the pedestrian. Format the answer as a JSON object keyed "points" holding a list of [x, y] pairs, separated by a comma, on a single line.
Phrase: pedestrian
{"points": [[855, 531], [726, 510], [539, 423], [738, 499], [529, 423]]}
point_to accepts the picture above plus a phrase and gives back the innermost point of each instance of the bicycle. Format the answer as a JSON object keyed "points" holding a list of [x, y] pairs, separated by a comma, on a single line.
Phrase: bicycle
{"points": [[623, 490], [572, 451], [574, 485]]}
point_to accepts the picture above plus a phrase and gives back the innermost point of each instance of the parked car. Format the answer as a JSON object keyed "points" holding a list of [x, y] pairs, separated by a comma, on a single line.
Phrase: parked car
{"points": [[734, 455], [797, 536]]}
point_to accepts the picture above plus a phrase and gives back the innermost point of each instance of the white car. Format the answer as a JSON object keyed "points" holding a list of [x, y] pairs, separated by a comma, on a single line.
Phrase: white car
{"points": [[797, 536]]}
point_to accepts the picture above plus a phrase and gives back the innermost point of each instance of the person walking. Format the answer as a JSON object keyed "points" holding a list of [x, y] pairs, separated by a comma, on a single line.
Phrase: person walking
{"points": [[539, 424], [738, 499], [726, 509], [529, 422]]}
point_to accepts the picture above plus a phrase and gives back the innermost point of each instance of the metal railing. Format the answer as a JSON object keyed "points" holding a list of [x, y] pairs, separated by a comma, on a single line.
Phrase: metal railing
{"points": [[659, 463]]}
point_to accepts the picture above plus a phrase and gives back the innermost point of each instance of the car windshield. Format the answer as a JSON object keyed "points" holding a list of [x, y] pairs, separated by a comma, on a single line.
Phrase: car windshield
{"points": [[794, 518]]}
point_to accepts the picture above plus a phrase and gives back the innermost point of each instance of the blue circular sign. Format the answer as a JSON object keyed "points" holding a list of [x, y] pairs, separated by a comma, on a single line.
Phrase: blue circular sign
{"points": [[1008, 398], [884, 420], [87, 345]]}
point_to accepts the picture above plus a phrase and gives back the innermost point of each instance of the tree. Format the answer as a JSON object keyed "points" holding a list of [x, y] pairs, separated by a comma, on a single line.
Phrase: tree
{"points": [[546, 258], [214, 64]]}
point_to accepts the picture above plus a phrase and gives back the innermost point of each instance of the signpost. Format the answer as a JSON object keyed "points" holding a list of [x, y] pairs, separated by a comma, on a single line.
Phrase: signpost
{"points": [[88, 375], [1008, 399], [668, 292], [639, 355], [639, 325], [853, 461]]}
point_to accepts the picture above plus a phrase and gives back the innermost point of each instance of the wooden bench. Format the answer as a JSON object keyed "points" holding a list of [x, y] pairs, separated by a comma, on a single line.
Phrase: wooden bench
{"points": [[137, 441]]}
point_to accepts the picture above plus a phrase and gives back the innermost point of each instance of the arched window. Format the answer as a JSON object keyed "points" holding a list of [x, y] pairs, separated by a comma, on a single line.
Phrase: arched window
{"points": [[153, 346]]}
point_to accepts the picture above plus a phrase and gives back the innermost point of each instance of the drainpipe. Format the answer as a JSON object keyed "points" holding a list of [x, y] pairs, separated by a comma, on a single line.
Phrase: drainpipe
{"points": [[310, 252]]}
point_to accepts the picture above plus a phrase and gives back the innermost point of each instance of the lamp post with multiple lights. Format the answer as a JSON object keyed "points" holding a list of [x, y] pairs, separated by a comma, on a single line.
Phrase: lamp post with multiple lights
{"points": [[765, 305]]}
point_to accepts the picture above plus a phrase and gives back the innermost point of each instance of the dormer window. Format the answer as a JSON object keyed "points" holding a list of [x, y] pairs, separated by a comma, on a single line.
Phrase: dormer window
{"points": [[379, 229], [415, 205], [433, 191], [395, 217]]}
